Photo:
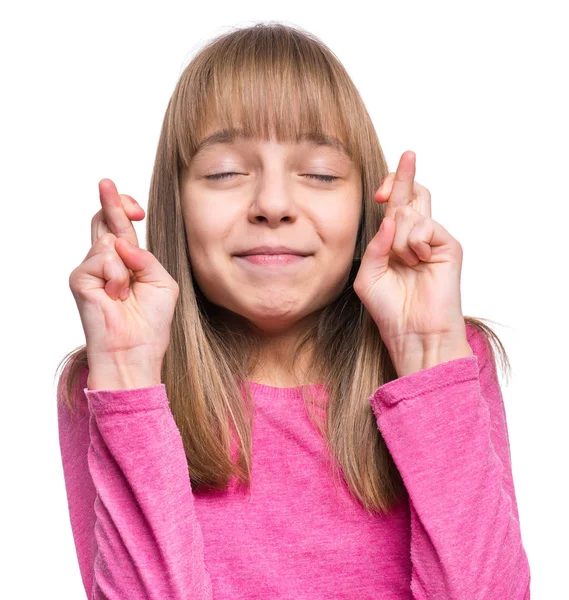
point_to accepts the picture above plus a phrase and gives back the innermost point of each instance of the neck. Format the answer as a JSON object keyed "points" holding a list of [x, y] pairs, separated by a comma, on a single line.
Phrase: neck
{"points": [[278, 363]]}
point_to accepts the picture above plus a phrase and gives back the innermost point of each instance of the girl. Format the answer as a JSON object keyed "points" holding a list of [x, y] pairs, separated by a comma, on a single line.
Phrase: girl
{"points": [[281, 397]]}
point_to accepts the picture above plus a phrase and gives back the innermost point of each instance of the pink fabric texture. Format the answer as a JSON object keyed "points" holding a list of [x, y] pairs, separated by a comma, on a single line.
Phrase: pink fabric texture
{"points": [[141, 533]]}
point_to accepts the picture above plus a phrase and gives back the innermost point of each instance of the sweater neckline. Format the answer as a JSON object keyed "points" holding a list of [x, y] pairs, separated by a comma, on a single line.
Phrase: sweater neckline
{"points": [[276, 393]]}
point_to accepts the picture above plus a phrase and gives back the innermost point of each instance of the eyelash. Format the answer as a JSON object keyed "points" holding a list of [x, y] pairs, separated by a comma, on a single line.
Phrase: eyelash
{"points": [[324, 178]]}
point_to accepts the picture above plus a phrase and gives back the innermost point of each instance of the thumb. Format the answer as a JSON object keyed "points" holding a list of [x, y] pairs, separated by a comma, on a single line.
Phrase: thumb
{"points": [[143, 263], [376, 257]]}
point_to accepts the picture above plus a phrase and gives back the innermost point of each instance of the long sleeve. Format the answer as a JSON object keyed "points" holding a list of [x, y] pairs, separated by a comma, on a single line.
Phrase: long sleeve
{"points": [[446, 430], [130, 499]]}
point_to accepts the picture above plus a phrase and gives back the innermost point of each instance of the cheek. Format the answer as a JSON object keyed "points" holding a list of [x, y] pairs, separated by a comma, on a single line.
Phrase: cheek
{"points": [[339, 222], [206, 226]]}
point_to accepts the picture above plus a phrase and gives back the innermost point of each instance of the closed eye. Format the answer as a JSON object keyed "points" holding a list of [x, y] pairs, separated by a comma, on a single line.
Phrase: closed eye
{"points": [[327, 178], [220, 175]]}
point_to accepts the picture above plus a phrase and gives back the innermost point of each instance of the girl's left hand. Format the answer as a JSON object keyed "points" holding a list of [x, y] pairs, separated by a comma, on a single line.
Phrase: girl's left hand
{"points": [[409, 277]]}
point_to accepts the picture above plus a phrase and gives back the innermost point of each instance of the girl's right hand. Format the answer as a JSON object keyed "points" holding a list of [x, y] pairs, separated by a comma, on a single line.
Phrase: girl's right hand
{"points": [[126, 298]]}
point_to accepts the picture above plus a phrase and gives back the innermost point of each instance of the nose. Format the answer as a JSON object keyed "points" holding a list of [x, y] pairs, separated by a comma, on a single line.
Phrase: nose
{"points": [[273, 200]]}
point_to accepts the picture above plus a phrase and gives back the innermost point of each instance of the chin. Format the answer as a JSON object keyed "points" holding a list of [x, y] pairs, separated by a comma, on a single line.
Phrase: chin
{"points": [[274, 317]]}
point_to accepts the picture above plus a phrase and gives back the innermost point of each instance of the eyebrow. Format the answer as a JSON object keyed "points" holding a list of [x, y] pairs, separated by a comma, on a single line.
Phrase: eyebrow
{"points": [[230, 135]]}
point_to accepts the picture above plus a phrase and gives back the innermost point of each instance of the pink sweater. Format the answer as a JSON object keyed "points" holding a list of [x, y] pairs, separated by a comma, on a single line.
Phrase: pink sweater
{"points": [[141, 533]]}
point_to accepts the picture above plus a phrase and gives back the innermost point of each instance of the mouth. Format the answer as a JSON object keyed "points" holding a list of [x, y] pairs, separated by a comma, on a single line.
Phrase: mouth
{"points": [[273, 260]]}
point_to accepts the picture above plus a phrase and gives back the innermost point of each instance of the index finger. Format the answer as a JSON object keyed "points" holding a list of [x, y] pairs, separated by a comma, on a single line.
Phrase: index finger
{"points": [[402, 190], [115, 216]]}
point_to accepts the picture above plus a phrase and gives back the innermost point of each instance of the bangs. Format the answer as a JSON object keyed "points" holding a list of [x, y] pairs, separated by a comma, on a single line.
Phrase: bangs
{"points": [[272, 86]]}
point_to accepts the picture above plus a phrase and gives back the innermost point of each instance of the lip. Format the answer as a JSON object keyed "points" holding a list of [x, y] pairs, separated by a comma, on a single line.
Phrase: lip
{"points": [[273, 260], [264, 250]]}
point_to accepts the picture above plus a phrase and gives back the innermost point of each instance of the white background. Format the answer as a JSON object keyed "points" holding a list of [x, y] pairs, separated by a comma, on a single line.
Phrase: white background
{"points": [[477, 90]]}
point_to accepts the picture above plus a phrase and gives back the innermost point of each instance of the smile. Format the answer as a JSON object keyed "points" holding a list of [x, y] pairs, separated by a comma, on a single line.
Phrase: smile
{"points": [[275, 260]]}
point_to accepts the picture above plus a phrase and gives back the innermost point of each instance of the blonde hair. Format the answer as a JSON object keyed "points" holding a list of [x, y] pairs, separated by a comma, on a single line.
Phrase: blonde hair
{"points": [[268, 77]]}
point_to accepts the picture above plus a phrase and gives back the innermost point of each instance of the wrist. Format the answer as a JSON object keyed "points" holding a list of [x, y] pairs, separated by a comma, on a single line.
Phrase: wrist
{"points": [[129, 381], [113, 374], [416, 357]]}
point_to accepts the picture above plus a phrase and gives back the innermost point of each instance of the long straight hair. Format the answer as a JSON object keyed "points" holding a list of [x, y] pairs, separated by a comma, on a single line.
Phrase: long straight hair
{"points": [[271, 79]]}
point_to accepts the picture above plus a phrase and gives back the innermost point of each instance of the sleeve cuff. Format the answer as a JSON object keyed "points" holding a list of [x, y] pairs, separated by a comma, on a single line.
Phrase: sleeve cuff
{"points": [[127, 401], [425, 381]]}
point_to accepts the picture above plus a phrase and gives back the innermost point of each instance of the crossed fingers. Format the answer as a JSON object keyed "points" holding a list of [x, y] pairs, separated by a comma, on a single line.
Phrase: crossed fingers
{"points": [[401, 189]]}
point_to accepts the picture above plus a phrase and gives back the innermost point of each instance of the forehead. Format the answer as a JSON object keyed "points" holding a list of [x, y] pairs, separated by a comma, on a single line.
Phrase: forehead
{"points": [[228, 136]]}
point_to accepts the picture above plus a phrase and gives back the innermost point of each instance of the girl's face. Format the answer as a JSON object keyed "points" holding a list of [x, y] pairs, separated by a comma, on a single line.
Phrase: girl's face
{"points": [[305, 196]]}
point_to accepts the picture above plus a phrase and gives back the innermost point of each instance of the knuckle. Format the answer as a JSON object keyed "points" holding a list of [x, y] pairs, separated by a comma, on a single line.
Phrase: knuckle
{"points": [[357, 288], [72, 279], [398, 247], [115, 267], [402, 213], [107, 240], [123, 229], [111, 258]]}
